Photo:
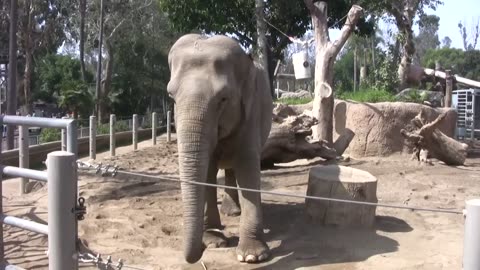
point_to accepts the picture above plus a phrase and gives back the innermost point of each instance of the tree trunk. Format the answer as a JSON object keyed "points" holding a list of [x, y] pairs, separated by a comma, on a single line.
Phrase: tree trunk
{"points": [[28, 57], [12, 73], [83, 7], [428, 138], [407, 57], [326, 52], [263, 53], [323, 101], [106, 83], [290, 138]]}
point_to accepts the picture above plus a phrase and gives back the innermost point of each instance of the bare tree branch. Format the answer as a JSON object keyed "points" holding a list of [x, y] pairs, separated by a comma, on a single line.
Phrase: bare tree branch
{"points": [[352, 18]]}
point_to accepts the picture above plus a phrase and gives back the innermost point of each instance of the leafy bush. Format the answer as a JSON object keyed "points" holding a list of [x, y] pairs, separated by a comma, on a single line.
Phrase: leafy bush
{"points": [[50, 135], [294, 101], [368, 95]]}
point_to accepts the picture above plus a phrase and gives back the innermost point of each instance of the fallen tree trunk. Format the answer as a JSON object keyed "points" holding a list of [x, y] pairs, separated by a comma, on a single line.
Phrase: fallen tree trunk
{"points": [[459, 79], [428, 138], [291, 138]]}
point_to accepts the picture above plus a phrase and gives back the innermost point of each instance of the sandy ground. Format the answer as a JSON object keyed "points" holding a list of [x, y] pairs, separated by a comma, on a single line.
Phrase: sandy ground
{"points": [[139, 220]]}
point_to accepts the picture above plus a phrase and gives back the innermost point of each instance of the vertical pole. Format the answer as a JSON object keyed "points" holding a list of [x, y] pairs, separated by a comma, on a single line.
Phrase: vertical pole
{"points": [[72, 137], [12, 71], [64, 137], [2, 254], [112, 135], [135, 131], [93, 137], [23, 156], [62, 221], [169, 124], [448, 88], [154, 128], [471, 244], [355, 69]]}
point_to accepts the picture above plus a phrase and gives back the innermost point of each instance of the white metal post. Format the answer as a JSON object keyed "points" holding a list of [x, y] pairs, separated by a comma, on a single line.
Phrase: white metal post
{"points": [[169, 124], [112, 135], [471, 242], [93, 137], [154, 128], [135, 131], [23, 156], [62, 221]]}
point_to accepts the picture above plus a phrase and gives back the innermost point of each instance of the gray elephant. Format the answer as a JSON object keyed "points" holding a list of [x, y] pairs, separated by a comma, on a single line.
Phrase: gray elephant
{"points": [[223, 115]]}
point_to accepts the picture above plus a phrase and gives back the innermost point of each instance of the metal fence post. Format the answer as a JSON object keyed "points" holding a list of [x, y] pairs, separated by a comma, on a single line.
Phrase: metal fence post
{"points": [[64, 137], [169, 128], [154, 128], [112, 135], [24, 155], [135, 131], [62, 221], [471, 248], [93, 137]]}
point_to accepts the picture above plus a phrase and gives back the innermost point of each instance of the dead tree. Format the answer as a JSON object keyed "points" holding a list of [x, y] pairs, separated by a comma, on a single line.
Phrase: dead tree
{"points": [[428, 140], [291, 138], [326, 51]]}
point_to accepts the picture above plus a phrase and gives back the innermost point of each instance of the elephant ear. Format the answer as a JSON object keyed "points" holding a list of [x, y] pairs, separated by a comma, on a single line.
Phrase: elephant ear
{"points": [[255, 83]]}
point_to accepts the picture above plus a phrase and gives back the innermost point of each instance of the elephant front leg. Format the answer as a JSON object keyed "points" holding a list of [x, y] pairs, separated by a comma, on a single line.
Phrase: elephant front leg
{"points": [[252, 246], [230, 204], [212, 236]]}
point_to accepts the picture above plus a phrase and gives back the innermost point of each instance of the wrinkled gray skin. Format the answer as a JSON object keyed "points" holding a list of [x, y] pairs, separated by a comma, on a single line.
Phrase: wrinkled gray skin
{"points": [[223, 112]]}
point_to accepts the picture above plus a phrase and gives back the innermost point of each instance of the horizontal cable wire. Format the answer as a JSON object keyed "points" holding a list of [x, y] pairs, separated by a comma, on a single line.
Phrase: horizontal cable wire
{"points": [[319, 198]]}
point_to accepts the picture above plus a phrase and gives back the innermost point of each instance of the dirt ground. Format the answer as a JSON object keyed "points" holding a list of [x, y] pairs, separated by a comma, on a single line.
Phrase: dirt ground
{"points": [[139, 220]]}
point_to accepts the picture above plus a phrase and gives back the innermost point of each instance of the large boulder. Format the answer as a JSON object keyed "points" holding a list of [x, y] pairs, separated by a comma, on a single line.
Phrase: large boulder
{"points": [[301, 94], [377, 125], [414, 95]]}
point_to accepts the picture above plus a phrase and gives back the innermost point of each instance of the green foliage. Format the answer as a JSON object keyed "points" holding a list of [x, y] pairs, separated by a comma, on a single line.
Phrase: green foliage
{"points": [[294, 101], [50, 135], [371, 95], [238, 18]]}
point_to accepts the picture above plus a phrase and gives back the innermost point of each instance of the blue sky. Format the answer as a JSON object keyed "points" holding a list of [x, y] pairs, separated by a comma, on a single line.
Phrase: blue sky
{"points": [[450, 13]]}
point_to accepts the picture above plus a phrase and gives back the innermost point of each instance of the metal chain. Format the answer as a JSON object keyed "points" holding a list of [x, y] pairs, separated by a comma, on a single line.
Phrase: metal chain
{"points": [[114, 170], [106, 264]]}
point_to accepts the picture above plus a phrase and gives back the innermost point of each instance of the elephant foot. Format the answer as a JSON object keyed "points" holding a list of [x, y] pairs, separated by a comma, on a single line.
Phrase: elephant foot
{"points": [[214, 238], [229, 207], [252, 251]]}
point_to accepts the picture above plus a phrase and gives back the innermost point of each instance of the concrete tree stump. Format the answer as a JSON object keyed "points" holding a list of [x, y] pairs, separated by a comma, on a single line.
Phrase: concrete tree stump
{"points": [[341, 182]]}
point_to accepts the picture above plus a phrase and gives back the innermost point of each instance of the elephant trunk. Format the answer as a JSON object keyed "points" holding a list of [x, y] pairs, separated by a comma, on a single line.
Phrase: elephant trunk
{"points": [[193, 155]]}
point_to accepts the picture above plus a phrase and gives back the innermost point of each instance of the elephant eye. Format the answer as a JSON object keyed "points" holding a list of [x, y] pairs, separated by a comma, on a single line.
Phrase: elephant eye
{"points": [[223, 99]]}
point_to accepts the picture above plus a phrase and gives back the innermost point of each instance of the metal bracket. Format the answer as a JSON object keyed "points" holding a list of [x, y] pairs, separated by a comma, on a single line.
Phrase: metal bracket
{"points": [[81, 209]]}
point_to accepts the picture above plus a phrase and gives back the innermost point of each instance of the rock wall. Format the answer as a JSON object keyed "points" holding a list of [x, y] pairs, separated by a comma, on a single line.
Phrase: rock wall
{"points": [[377, 125]]}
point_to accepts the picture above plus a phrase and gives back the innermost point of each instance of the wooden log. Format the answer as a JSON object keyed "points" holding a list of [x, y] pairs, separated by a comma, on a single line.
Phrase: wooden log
{"points": [[440, 146], [343, 141], [443, 75], [334, 181]]}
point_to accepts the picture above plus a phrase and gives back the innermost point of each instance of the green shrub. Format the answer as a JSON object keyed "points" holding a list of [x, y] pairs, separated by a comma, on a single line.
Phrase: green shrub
{"points": [[294, 101], [50, 135], [371, 95]]}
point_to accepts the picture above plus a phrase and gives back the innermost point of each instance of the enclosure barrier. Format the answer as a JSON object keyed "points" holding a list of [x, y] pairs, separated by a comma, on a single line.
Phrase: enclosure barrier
{"points": [[471, 260], [61, 178]]}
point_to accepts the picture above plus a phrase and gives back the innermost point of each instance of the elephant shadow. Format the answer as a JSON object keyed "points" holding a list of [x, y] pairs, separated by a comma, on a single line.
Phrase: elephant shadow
{"points": [[305, 244]]}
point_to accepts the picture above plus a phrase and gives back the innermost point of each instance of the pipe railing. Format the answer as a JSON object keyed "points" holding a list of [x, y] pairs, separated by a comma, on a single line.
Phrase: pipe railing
{"points": [[61, 178]]}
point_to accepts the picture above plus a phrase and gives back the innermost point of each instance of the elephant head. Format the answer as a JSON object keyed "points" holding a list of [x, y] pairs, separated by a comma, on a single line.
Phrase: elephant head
{"points": [[212, 83]]}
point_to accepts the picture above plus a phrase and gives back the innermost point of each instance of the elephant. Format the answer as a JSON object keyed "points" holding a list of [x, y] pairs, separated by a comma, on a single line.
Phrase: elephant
{"points": [[223, 115]]}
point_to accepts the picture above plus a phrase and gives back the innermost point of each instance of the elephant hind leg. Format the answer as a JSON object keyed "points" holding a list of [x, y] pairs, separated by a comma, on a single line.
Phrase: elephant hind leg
{"points": [[230, 204]]}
